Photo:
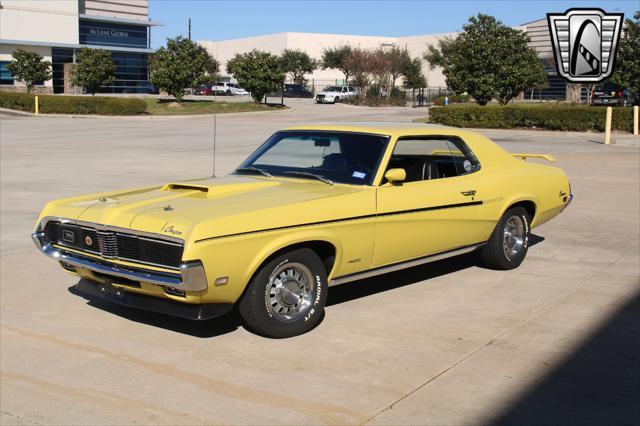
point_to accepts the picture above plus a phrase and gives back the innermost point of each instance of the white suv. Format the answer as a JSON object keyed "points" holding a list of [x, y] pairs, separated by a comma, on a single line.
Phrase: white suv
{"points": [[333, 94], [229, 89]]}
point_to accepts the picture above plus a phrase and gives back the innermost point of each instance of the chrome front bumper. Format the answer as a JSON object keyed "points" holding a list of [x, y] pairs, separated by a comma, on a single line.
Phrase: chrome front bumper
{"points": [[190, 276]]}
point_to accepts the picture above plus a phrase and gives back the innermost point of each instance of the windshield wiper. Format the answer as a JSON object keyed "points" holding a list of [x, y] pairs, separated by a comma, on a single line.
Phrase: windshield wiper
{"points": [[254, 169], [313, 175]]}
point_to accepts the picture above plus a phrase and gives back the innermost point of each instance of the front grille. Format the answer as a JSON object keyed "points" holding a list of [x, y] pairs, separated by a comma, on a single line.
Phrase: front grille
{"points": [[115, 245]]}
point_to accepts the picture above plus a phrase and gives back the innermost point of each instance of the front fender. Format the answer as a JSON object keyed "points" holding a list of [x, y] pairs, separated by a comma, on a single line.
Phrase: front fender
{"points": [[238, 258]]}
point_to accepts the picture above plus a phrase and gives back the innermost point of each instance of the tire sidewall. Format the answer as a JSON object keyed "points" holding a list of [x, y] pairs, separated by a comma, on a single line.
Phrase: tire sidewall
{"points": [[275, 327], [522, 213]]}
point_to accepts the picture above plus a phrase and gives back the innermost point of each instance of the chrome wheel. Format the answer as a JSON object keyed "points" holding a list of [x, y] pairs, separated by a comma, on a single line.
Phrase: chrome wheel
{"points": [[289, 292], [514, 236]]}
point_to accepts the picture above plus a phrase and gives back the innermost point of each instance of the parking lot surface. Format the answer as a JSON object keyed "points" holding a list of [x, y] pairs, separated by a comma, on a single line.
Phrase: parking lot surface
{"points": [[449, 343]]}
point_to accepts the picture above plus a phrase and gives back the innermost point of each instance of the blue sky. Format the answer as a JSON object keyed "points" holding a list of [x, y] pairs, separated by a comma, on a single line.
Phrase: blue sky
{"points": [[222, 20]]}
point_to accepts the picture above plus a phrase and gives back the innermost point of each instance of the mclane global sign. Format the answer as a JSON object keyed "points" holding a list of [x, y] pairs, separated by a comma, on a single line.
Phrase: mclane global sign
{"points": [[585, 43], [108, 33]]}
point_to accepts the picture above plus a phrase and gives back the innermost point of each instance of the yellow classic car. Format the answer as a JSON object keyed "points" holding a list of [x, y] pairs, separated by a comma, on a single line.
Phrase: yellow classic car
{"points": [[314, 206]]}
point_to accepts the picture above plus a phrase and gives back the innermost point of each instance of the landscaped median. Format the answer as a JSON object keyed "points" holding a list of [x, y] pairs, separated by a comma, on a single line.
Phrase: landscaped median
{"points": [[107, 105], [549, 117]]}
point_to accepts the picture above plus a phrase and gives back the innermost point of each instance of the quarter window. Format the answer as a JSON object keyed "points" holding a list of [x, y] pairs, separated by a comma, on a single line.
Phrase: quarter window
{"points": [[428, 158]]}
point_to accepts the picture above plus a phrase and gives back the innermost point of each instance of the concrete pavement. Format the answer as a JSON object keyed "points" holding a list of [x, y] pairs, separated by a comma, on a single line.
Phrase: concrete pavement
{"points": [[450, 343]]}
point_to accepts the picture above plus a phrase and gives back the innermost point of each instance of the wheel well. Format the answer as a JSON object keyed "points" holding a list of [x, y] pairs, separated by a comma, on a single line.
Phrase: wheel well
{"points": [[325, 251], [529, 206]]}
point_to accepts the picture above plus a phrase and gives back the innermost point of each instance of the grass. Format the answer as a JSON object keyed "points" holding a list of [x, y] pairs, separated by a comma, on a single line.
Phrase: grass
{"points": [[188, 107]]}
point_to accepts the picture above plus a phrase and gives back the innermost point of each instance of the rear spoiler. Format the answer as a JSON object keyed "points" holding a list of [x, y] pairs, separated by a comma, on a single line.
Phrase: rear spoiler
{"points": [[549, 158]]}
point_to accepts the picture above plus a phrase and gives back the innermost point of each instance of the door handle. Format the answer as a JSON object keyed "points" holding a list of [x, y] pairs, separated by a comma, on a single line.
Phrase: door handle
{"points": [[469, 193]]}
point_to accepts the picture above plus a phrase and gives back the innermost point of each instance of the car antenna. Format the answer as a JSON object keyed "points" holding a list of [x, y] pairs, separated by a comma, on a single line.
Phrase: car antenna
{"points": [[215, 125]]}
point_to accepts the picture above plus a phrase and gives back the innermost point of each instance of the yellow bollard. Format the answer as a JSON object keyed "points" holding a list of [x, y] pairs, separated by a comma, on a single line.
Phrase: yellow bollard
{"points": [[37, 106], [607, 127], [635, 120]]}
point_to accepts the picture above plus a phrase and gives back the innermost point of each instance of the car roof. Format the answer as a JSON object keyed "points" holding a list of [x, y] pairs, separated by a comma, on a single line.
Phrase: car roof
{"points": [[388, 128], [479, 144]]}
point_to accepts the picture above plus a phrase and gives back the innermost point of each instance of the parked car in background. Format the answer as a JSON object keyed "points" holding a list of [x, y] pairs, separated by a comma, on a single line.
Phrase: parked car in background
{"points": [[203, 90], [607, 94], [229, 89], [314, 206], [333, 94], [295, 91]]}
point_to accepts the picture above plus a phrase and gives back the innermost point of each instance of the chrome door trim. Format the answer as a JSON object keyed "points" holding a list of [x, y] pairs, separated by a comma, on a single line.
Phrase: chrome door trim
{"points": [[404, 265]]}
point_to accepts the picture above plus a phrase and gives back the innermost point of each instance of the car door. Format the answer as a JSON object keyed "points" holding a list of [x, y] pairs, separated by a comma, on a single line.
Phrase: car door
{"points": [[436, 208]]}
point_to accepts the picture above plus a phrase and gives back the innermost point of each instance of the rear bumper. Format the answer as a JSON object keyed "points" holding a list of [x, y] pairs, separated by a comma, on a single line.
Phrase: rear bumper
{"points": [[191, 311]]}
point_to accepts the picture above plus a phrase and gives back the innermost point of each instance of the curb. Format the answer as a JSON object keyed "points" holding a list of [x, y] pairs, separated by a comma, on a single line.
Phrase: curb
{"points": [[141, 117]]}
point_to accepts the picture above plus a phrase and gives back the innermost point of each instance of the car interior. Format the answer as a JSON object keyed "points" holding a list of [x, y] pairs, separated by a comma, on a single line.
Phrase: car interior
{"points": [[424, 159]]}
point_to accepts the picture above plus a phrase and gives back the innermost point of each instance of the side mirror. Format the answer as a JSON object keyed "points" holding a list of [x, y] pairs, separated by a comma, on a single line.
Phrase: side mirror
{"points": [[395, 176]]}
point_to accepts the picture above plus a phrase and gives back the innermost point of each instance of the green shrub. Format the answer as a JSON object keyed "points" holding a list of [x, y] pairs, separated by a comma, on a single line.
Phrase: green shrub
{"points": [[453, 99], [549, 117], [50, 104]]}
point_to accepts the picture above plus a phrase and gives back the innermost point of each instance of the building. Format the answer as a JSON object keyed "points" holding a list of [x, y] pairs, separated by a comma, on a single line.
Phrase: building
{"points": [[57, 29], [314, 43], [556, 87]]}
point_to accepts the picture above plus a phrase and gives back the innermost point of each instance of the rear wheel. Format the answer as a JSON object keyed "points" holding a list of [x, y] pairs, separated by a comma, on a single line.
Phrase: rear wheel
{"points": [[287, 295], [336, 99], [509, 242]]}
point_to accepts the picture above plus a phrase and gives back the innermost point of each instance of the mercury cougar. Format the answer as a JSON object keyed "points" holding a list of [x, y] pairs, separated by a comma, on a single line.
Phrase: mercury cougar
{"points": [[314, 206]]}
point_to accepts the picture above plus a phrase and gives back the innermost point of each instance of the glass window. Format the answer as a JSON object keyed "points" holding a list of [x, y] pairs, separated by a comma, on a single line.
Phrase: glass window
{"points": [[427, 158], [338, 156], [6, 77], [112, 34]]}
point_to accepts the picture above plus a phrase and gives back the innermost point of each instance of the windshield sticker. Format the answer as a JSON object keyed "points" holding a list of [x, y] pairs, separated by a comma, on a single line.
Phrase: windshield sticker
{"points": [[359, 175]]}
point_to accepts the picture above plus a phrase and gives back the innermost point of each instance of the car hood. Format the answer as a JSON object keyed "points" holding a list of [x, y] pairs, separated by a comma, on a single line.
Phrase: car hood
{"points": [[206, 208], [329, 93]]}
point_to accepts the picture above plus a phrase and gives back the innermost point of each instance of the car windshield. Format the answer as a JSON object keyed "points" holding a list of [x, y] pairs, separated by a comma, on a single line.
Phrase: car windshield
{"points": [[333, 89], [340, 157]]}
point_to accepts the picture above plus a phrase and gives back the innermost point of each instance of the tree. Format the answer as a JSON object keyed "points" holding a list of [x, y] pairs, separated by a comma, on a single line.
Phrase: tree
{"points": [[29, 67], [398, 60], [379, 67], [413, 76], [182, 64], [358, 62], [231, 63], [336, 58], [487, 60], [297, 63], [94, 68], [258, 72], [627, 65]]}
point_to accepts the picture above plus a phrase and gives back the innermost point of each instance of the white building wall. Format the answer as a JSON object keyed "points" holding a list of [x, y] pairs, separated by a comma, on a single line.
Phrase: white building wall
{"points": [[417, 45], [314, 44], [41, 21], [227, 49], [127, 9], [37, 21]]}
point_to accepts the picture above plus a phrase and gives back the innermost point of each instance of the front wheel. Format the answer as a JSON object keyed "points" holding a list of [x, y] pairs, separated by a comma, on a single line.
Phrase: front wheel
{"points": [[287, 295], [509, 242]]}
